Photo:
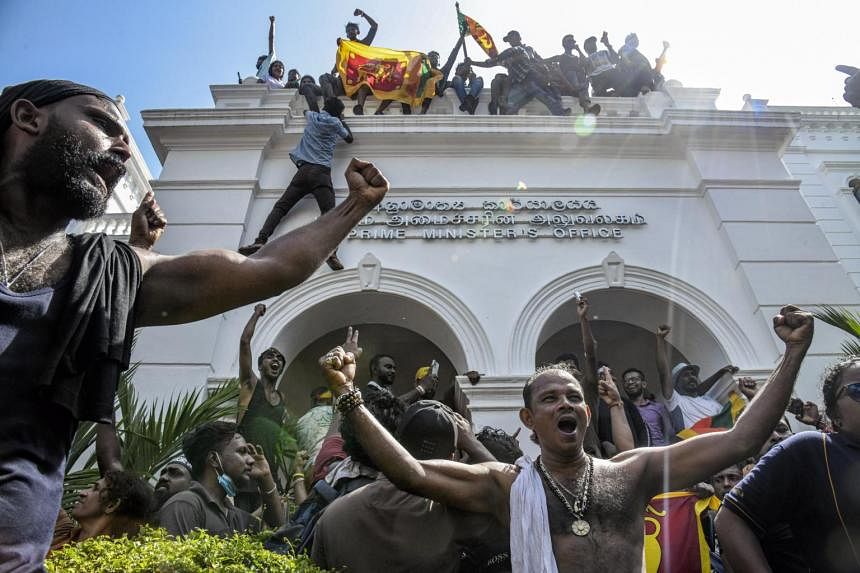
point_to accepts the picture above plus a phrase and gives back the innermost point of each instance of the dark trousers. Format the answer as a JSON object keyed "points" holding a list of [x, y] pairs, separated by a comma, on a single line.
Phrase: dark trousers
{"points": [[310, 179]]}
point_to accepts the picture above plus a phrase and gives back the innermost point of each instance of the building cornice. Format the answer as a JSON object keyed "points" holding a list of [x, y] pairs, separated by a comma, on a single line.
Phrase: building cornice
{"points": [[446, 135]]}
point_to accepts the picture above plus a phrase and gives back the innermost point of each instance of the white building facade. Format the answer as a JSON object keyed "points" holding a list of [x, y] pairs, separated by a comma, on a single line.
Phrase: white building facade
{"points": [[664, 210]]}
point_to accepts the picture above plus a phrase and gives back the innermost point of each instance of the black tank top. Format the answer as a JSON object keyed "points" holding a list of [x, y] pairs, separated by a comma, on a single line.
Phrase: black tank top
{"points": [[260, 407]]}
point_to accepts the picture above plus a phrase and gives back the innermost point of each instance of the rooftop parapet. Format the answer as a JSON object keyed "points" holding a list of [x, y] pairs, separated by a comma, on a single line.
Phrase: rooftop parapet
{"points": [[673, 96]]}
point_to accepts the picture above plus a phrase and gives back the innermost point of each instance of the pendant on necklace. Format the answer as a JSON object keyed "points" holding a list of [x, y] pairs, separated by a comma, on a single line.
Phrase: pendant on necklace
{"points": [[580, 527]]}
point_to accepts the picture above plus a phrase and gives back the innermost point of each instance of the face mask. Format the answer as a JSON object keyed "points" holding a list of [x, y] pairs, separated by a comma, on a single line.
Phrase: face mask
{"points": [[224, 480]]}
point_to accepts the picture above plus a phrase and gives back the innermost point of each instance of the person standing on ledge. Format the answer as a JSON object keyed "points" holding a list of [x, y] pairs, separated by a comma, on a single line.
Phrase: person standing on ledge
{"points": [[568, 511], [75, 300], [312, 156]]}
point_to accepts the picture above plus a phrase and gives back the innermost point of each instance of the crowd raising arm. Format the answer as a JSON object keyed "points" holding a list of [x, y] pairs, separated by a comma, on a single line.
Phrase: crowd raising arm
{"points": [[484, 488]]}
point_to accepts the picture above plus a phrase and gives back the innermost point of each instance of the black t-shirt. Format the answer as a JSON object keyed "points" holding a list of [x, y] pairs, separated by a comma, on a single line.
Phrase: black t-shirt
{"points": [[791, 485], [61, 351]]}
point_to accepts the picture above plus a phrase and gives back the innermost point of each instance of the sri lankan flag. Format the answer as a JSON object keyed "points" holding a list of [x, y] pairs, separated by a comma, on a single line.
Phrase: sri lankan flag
{"points": [[406, 77], [471, 27], [674, 539], [718, 423]]}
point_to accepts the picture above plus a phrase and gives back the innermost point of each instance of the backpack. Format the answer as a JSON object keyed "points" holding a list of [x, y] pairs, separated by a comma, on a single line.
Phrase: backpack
{"points": [[298, 533]]}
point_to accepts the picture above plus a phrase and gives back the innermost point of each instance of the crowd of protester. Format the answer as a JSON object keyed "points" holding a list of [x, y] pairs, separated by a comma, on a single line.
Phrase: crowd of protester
{"points": [[346, 505], [384, 480], [604, 73]]}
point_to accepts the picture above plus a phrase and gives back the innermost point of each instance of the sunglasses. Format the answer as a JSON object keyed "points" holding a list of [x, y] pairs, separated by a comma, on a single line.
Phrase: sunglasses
{"points": [[853, 391]]}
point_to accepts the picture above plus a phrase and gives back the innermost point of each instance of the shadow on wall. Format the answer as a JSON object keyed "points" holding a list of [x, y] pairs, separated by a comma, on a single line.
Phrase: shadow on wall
{"points": [[409, 349]]}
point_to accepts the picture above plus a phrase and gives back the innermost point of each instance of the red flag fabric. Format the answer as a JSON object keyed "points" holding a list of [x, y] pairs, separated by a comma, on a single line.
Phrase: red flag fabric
{"points": [[674, 539], [403, 76], [484, 39]]}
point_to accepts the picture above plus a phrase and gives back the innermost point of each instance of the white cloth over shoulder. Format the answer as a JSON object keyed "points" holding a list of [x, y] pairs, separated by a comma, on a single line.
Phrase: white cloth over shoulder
{"points": [[531, 544]]}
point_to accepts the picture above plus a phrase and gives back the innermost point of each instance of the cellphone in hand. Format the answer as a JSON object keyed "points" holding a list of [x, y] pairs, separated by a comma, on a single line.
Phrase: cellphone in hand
{"points": [[577, 296], [434, 368]]}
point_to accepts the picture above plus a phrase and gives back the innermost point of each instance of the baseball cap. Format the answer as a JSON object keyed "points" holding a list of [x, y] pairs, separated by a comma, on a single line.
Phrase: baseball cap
{"points": [[428, 430], [679, 368]]}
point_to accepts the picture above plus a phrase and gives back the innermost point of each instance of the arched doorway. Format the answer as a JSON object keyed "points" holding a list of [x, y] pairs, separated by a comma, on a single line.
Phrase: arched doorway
{"points": [[703, 331], [407, 316], [624, 322], [621, 345], [409, 349]]}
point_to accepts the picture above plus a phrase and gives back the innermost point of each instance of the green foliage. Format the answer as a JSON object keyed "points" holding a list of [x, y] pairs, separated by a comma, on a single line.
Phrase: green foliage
{"points": [[149, 436], [153, 551], [846, 320]]}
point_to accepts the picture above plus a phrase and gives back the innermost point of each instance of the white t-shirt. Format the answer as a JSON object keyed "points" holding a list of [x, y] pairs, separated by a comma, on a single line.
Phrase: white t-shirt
{"points": [[693, 408]]}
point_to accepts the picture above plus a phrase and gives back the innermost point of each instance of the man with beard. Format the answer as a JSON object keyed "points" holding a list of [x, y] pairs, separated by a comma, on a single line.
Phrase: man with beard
{"points": [[74, 301], [222, 462], [654, 414], [174, 477], [383, 370], [569, 511], [684, 393]]}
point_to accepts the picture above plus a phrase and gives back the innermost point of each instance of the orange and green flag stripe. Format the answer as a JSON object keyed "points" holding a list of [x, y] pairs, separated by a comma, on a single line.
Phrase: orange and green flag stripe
{"points": [[720, 422]]}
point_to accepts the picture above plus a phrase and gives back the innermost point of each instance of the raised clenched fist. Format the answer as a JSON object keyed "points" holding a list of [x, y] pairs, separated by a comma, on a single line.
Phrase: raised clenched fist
{"points": [[747, 386], [147, 223], [794, 326], [339, 369], [366, 183], [582, 307]]}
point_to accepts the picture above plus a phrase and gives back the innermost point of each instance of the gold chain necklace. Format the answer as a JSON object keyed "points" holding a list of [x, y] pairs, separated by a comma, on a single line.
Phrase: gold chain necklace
{"points": [[581, 500]]}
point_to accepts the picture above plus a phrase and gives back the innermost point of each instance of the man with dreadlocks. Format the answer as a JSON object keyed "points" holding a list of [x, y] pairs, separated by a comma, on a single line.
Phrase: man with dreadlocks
{"points": [[568, 511], [69, 304]]}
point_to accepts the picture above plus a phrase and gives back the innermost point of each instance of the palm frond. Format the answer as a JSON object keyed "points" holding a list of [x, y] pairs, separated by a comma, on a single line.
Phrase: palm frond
{"points": [[851, 348], [841, 318], [845, 320], [150, 435]]}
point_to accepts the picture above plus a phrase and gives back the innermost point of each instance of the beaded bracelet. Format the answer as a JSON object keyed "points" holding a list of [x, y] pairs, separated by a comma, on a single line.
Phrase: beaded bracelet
{"points": [[348, 402]]}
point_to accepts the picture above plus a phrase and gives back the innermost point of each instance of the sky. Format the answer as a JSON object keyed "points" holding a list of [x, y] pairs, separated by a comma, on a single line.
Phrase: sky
{"points": [[165, 54]]}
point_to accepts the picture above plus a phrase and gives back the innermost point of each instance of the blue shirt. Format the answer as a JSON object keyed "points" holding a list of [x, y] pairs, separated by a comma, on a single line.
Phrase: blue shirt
{"points": [[34, 433], [790, 485], [319, 139]]}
